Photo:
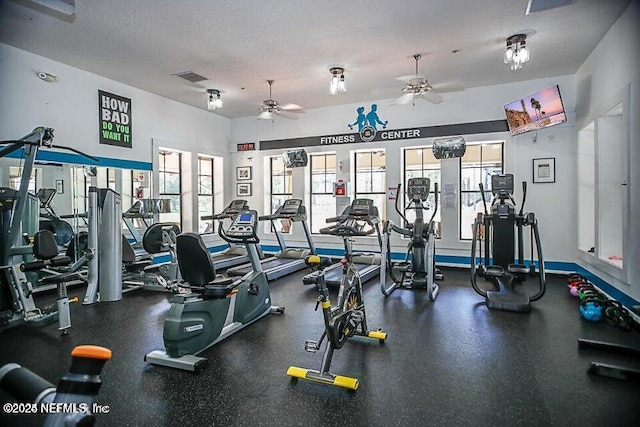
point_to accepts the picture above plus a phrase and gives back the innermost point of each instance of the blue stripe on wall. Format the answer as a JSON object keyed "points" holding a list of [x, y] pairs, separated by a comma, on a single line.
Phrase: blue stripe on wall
{"points": [[77, 159], [463, 261]]}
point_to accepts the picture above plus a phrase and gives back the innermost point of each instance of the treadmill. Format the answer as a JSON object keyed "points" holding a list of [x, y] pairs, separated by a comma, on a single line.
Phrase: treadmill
{"points": [[234, 254], [363, 212], [288, 260]]}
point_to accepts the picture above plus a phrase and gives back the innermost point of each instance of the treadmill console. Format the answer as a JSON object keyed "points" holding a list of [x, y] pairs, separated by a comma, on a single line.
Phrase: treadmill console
{"points": [[290, 207], [502, 184], [235, 206], [418, 188], [243, 225], [362, 207]]}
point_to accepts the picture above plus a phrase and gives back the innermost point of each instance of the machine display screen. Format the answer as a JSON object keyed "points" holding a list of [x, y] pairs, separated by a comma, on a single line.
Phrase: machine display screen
{"points": [[361, 205], [237, 205], [502, 183], [244, 218], [291, 206]]}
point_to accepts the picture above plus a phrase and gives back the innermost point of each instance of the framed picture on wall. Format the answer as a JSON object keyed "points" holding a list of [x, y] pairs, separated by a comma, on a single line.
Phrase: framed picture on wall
{"points": [[243, 189], [544, 170], [243, 173], [59, 186]]}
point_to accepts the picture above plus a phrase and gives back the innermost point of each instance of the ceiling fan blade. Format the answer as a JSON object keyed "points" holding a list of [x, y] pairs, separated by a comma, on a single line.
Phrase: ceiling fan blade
{"points": [[291, 115], [404, 99], [456, 86], [265, 115], [292, 107], [432, 97], [410, 77]]}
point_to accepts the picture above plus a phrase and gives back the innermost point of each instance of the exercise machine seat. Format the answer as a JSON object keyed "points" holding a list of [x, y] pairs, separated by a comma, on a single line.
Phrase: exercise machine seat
{"points": [[153, 240], [131, 263], [45, 248], [197, 268]]}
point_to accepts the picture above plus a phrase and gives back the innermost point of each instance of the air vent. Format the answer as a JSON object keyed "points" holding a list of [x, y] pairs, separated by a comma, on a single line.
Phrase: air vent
{"points": [[540, 5], [190, 76]]}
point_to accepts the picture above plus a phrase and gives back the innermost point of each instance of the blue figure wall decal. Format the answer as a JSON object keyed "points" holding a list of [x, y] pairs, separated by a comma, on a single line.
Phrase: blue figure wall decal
{"points": [[361, 120], [374, 120]]}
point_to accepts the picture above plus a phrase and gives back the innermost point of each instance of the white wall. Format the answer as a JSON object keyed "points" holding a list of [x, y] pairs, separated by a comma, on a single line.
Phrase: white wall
{"points": [[554, 204], [70, 106], [612, 69]]}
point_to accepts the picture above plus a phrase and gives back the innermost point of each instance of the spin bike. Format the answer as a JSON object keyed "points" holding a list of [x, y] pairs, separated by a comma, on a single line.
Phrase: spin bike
{"points": [[420, 271], [348, 317], [503, 228], [217, 306]]}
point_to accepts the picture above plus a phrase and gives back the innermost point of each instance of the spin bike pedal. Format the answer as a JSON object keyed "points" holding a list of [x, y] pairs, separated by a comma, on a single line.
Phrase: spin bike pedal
{"points": [[311, 346]]}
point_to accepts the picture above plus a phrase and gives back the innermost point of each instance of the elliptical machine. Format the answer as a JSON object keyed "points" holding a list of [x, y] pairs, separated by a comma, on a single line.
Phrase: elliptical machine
{"points": [[501, 228], [420, 271], [348, 317], [218, 306]]}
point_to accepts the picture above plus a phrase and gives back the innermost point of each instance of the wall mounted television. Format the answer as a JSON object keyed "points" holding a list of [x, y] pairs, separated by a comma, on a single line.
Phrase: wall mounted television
{"points": [[536, 111]]}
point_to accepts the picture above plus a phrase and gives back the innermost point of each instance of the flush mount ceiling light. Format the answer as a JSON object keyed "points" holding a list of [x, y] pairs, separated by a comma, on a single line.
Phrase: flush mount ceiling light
{"points": [[337, 84], [516, 52], [214, 102]]}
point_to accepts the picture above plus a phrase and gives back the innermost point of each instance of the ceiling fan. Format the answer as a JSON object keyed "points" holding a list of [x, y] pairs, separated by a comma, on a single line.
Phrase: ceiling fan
{"points": [[417, 86], [270, 107]]}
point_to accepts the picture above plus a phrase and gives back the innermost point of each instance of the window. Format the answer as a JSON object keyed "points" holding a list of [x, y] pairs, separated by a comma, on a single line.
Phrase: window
{"points": [[476, 166], [281, 183], [370, 175], [421, 163], [111, 179], [15, 175], [206, 193], [170, 185], [323, 204]]}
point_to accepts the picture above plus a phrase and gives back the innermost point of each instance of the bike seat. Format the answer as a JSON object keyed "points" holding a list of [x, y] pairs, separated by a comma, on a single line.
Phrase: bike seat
{"points": [[219, 288]]}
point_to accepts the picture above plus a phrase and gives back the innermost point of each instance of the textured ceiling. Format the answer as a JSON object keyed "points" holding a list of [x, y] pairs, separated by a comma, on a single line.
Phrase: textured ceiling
{"points": [[238, 45]]}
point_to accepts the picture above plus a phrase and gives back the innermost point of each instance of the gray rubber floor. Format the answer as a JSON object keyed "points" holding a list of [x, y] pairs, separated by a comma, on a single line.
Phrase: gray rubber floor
{"points": [[447, 363]]}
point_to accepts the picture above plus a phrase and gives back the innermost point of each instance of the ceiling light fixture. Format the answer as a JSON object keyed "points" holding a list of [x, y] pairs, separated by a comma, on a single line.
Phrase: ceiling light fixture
{"points": [[337, 84], [516, 52], [214, 102]]}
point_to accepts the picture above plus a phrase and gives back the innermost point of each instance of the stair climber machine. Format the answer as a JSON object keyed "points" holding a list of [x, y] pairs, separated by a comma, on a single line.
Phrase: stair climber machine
{"points": [[18, 215], [420, 271], [348, 317], [234, 254], [76, 391], [502, 227], [361, 213], [217, 306], [288, 260]]}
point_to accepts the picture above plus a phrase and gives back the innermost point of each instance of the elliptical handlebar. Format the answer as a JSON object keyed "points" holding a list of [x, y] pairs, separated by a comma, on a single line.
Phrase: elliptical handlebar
{"points": [[484, 199], [406, 221], [524, 196]]}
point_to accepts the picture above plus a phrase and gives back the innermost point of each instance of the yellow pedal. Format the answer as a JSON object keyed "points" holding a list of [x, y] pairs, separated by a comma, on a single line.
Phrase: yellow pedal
{"points": [[378, 335], [346, 382], [294, 371]]}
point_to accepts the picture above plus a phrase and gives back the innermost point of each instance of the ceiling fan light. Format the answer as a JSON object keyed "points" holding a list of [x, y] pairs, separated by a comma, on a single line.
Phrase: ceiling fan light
{"points": [[333, 86], [508, 55], [342, 85], [337, 84], [524, 54], [213, 101]]}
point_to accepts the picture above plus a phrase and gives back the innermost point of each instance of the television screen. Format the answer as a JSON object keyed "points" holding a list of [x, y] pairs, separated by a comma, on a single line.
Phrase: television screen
{"points": [[536, 111], [295, 158]]}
